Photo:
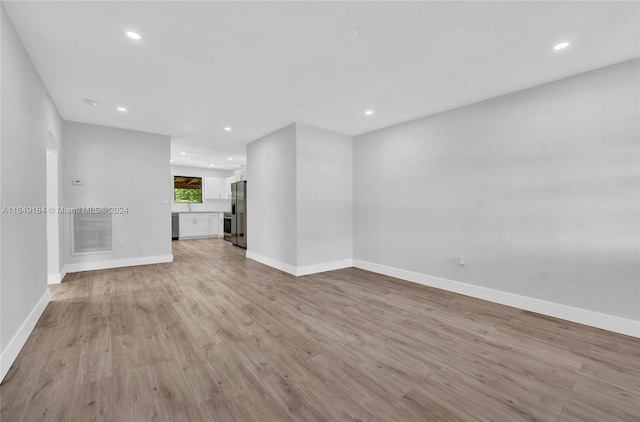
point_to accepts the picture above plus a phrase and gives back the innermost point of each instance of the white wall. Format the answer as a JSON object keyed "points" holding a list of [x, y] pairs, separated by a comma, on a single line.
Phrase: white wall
{"points": [[271, 199], [119, 168], [217, 205], [324, 193], [300, 196], [27, 115], [54, 275], [537, 189]]}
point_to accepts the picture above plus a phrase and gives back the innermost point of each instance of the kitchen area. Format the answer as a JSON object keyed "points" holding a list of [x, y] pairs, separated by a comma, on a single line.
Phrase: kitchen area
{"points": [[209, 203]]}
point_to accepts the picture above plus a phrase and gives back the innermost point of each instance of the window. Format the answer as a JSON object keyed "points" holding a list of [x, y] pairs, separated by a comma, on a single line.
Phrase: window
{"points": [[187, 189]]}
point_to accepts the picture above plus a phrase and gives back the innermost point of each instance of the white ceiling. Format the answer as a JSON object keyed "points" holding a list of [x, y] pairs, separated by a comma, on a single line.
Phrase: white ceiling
{"points": [[257, 66]]}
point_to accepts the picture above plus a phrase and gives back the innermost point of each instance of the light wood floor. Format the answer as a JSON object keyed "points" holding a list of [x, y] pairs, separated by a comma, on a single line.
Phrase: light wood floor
{"points": [[217, 337]]}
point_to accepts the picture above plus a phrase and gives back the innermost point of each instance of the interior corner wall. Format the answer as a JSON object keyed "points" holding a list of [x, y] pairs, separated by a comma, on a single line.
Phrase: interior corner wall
{"points": [[27, 116], [324, 199], [271, 200], [123, 169], [538, 190]]}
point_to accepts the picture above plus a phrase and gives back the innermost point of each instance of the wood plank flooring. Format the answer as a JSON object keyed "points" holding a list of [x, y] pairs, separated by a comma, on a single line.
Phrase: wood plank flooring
{"points": [[216, 337]]}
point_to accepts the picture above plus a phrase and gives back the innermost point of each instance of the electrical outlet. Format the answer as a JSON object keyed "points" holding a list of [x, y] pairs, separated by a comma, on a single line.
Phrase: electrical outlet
{"points": [[462, 261]]}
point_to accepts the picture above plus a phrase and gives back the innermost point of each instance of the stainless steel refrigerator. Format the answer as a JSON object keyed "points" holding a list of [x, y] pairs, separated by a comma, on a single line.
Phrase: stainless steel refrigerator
{"points": [[239, 214]]}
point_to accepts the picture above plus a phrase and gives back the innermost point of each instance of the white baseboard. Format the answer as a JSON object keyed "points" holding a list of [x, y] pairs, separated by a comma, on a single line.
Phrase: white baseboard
{"points": [[10, 353], [53, 278], [582, 316], [325, 266], [287, 268], [118, 263], [300, 271], [57, 278]]}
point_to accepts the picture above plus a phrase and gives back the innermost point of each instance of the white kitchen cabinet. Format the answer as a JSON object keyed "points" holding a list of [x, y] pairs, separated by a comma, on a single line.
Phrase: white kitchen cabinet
{"points": [[214, 229], [217, 187], [227, 186], [214, 224], [199, 225], [214, 188], [187, 226]]}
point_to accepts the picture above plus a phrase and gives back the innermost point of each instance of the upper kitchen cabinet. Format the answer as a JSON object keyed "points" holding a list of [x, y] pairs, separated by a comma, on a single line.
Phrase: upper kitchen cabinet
{"points": [[214, 188], [218, 188], [227, 186]]}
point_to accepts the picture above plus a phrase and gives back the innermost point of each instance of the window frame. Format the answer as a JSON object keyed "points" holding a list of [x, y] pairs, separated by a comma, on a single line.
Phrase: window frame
{"points": [[201, 188]]}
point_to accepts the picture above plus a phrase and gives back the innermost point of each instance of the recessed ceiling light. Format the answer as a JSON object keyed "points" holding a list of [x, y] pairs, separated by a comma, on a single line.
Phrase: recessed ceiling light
{"points": [[133, 35], [171, 161], [561, 45], [228, 129], [183, 153], [213, 165], [368, 112], [90, 103], [230, 158], [122, 109], [349, 33]]}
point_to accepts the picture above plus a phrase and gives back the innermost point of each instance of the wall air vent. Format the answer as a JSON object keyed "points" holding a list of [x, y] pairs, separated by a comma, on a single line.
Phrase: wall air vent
{"points": [[92, 233]]}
